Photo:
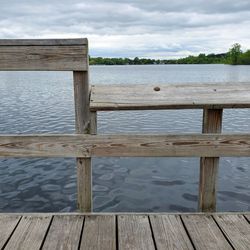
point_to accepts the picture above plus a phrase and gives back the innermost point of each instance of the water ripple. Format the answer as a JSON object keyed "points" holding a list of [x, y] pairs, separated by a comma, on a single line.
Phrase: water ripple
{"points": [[42, 102]]}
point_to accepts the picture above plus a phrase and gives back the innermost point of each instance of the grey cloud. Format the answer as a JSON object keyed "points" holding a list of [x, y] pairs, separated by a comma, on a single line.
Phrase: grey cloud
{"points": [[202, 6], [109, 18], [176, 25]]}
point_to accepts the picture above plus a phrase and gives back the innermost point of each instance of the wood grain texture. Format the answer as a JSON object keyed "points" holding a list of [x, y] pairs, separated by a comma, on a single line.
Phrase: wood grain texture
{"points": [[93, 123], [170, 96], [7, 226], [64, 232], [188, 145], [81, 97], [82, 123], [212, 120], [237, 230], [212, 123], [84, 184], [43, 42], [204, 232], [169, 232], [44, 58], [134, 233], [99, 233], [30, 233]]}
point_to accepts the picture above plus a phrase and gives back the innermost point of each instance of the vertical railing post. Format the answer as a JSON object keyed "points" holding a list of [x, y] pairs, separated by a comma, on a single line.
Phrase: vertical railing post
{"points": [[93, 123], [212, 123], [82, 117]]}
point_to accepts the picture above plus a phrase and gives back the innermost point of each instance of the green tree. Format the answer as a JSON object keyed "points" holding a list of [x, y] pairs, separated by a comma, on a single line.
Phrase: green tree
{"points": [[245, 58], [137, 60], [235, 53]]}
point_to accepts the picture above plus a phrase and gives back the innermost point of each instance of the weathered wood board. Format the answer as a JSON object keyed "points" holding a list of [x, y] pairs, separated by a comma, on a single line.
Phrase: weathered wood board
{"points": [[64, 232], [44, 55], [7, 227], [170, 96], [186, 145], [30, 233], [99, 233], [82, 124], [108, 231], [204, 232], [169, 232], [212, 123], [236, 228], [134, 233]]}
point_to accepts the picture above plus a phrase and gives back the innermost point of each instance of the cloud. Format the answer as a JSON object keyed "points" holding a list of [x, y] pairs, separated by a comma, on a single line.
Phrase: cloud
{"points": [[132, 28]]}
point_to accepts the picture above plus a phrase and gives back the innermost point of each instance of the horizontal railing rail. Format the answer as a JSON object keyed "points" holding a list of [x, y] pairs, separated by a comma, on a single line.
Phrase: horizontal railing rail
{"points": [[49, 54], [181, 145]]}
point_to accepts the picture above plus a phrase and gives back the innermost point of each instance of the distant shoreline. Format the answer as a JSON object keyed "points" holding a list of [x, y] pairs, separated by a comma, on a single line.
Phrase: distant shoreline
{"points": [[201, 59], [234, 56], [169, 64]]}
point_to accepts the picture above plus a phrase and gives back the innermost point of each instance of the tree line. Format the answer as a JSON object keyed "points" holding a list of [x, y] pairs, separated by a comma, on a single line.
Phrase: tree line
{"points": [[235, 56]]}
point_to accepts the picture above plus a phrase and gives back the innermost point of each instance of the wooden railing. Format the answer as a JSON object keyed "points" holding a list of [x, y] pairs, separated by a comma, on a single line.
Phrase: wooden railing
{"points": [[72, 55]]}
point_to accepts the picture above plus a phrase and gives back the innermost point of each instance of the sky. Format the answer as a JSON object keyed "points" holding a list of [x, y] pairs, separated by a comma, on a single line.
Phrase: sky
{"points": [[129, 28]]}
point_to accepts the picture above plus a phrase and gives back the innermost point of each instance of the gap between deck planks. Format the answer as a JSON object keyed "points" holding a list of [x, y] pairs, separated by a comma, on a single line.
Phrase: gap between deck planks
{"points": [[125, 231]]}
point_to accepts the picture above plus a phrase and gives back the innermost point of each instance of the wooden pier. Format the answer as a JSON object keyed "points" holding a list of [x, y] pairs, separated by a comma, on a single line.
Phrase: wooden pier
{"points": [[125, 231]]}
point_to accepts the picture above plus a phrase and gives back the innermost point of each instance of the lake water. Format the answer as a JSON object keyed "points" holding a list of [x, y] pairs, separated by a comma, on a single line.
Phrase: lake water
{"points": [[42, 102]]}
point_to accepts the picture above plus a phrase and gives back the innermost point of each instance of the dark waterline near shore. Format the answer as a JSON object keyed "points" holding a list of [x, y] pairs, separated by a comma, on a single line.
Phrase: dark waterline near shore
{"points": [[120, 184]]}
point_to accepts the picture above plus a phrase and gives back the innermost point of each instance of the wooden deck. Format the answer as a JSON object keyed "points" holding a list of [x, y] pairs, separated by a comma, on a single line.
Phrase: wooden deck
{"points": [[125, 231]]}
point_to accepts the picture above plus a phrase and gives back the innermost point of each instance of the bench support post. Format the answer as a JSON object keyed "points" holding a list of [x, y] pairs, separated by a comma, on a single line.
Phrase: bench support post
{"points": [[212, 123], [83, 126]]}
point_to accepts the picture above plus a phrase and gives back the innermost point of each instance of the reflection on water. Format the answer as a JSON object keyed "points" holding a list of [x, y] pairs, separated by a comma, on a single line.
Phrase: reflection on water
{"points": [[42, 102]]}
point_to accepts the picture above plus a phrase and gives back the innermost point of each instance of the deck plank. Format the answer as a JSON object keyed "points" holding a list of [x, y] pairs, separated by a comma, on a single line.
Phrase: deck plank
{"points": [[126, 231], [247, 217], [134, 233], [99, 233], [236, 228], [169, 232], [7, 226], [30, 233], [170, 96], [204, 232], [64, 232]]}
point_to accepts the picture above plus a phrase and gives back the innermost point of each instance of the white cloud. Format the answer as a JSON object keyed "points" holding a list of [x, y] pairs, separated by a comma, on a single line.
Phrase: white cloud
{"points": [[157, 28]]}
